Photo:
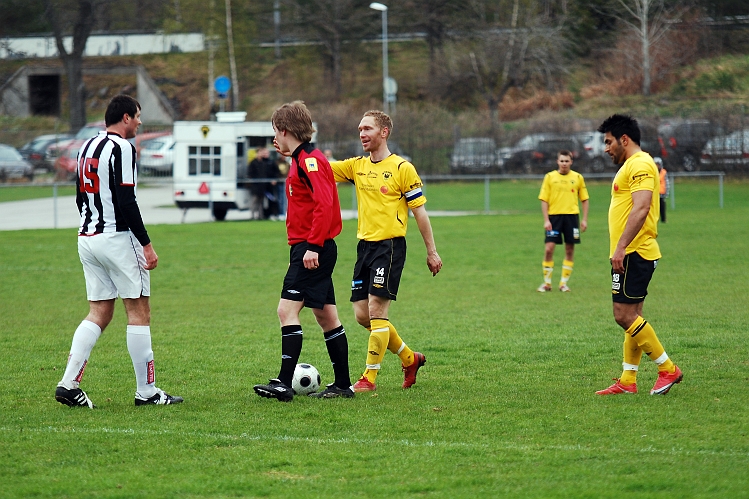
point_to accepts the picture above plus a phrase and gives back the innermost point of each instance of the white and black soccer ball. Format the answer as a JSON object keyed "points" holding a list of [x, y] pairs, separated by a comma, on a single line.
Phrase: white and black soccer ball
{"points": [[306, 379]]}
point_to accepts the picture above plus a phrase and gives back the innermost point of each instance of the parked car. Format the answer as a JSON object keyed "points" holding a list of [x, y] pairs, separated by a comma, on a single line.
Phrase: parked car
{"points": [[537, 153], [35, 151], [64, 148], [476, 154], [682, 142], [65, 164], [727, 151], [595, 150], [12, 164], [157, 155]]}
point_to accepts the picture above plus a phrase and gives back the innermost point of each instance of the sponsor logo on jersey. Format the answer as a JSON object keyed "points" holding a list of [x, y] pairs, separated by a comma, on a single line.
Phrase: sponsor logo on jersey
{"points": [[150, 376], [414, 186], [379, 280], [356, 284], [293, 292], [616, 187], [377, 285], [311, 164], [372, 174], [616, 285], [361, 174], [576, 233], [384, 189]]}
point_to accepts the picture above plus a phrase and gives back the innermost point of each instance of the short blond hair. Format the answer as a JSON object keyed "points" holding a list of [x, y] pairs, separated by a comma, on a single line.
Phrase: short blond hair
{"points": [[295, 118], [381, 119]]}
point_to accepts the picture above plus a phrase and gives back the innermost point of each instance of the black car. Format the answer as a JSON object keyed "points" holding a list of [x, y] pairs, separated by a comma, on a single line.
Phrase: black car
{"points": [[682, 142], [537, 153], [35, 151]]}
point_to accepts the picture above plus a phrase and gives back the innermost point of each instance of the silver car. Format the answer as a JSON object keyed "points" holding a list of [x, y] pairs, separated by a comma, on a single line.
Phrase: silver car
{"points": [[12, 164]]}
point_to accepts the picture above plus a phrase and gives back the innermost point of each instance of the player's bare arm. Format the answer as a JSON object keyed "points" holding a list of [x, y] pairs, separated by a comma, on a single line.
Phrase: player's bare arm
{"points": [[641, 206], [434, 262], [584, 221], [545, 212]]}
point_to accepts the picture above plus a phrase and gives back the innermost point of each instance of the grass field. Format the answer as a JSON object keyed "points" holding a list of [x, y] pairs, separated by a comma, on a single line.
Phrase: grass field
{"points": [[505, 406]]}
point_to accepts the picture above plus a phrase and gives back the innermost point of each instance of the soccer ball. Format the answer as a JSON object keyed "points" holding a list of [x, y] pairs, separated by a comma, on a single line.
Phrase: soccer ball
{"points": [[306, 379]]}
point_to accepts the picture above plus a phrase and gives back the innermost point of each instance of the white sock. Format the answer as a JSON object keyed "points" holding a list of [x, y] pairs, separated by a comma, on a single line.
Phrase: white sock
{"points": [[84, 340], [139, 346]]}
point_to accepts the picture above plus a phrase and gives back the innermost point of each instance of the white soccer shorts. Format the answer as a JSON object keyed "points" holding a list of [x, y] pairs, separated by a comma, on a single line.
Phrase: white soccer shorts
{"points": [[113, 264]]}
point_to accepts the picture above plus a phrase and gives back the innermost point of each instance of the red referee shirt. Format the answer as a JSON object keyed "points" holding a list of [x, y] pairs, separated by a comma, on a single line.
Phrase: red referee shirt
{"points": [[314, 212]]}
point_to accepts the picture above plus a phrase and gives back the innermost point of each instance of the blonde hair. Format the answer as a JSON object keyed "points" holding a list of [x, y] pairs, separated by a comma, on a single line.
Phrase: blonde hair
{"points": [[381, 119], [295, 118]]}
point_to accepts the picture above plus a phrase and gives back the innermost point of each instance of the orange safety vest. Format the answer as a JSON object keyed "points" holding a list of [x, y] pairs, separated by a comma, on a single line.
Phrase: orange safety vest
{"points": [[663, 181]]}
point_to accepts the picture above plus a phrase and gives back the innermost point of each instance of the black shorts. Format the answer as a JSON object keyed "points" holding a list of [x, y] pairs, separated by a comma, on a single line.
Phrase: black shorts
{"points": [[567, 225], [312, 286], [631, 286], [378, 269]]}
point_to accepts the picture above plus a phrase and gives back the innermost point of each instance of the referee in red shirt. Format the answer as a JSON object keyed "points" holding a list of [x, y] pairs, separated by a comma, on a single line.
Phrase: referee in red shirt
{"points": [[312, 221]]}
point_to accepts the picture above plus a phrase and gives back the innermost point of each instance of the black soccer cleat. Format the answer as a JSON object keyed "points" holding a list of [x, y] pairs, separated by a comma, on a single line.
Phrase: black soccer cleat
{"points": [[159, 398], [331, 391], [73, 398], [275, 389]]}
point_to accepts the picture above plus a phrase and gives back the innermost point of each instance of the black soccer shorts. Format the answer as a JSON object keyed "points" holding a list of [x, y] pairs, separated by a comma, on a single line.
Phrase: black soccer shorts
{"points": [[378, 268], [564, 225], [631, 286], [312, 286]]}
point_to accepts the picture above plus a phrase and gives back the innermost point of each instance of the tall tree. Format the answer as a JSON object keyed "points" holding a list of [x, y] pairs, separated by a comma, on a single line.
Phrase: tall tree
{"points": [[529, 49], [78, 17], [649, 21], [335, 23], [437, 19]]}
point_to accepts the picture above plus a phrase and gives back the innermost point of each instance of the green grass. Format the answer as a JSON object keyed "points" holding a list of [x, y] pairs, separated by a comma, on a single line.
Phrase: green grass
{"points": [[503, 408], [21, 193]]}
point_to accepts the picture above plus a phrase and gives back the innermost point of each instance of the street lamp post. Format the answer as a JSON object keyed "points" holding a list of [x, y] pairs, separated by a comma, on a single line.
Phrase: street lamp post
{"points": [[384, 9]]}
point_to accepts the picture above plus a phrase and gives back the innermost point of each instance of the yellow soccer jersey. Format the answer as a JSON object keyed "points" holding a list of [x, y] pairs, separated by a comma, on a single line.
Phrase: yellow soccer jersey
{"points": [[563, 191], [385, 190], [638, 173]]}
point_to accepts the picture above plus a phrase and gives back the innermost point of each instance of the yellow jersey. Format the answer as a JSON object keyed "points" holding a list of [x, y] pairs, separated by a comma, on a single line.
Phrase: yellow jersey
{"points": [[385, 190], [562, 192], [638, 173]]}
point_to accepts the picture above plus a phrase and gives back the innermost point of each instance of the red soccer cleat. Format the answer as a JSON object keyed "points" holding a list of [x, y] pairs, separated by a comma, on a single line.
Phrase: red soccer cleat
{"points": [[364, 385], [617, 389], [410, 372], [666, 380]]}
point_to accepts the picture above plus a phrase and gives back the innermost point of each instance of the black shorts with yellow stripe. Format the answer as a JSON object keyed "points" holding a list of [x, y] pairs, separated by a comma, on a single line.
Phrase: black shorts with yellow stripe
{"points": [[631, 286], [378, 268]]}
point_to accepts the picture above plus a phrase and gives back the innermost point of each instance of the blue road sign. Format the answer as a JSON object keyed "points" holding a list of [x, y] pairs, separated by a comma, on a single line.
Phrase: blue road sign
{"points": [[222, 85]]}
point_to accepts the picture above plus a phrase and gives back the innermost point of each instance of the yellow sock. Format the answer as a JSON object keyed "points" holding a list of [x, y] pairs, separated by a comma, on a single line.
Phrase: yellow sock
{"points": [[378, 342], [399, 347], [632, 356], [548, 269], [644, 334], [566, 271]]}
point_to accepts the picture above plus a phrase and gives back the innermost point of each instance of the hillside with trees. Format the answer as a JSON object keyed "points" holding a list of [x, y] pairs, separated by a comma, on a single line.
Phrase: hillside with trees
{"points": [[463, 68]]}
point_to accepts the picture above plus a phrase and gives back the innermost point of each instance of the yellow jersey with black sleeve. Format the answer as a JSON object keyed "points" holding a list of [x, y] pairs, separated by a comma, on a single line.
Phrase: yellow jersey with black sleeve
{"points": [[385, 190], [562, 192], [638, 173]]}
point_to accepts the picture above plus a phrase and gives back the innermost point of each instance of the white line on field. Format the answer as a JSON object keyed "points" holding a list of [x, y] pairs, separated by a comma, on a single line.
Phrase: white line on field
{"points": [[360, 441]]}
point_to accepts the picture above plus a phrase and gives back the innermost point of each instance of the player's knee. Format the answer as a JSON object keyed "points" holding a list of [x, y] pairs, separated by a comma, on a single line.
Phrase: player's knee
{"points": [[362, 318]]}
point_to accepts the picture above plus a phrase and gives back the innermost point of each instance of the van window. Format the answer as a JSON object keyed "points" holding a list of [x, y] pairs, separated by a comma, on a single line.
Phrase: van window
{"points": [[204, 160]]}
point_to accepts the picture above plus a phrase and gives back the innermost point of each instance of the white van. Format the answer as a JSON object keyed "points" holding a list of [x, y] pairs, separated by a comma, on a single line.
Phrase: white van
{"points": [[211, 158]]}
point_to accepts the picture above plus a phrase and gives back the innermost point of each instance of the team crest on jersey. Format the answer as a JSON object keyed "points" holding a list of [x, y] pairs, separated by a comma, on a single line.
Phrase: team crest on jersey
{"points": [[311, 164], [386, 175]]}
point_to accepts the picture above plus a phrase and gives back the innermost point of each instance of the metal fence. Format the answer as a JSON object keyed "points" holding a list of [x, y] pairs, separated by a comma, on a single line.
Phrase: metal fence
{"points": [[52, 209]]}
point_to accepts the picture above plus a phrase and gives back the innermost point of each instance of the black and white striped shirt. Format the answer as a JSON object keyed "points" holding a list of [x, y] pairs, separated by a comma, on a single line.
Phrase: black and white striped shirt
{"points": [[106, 185]]}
